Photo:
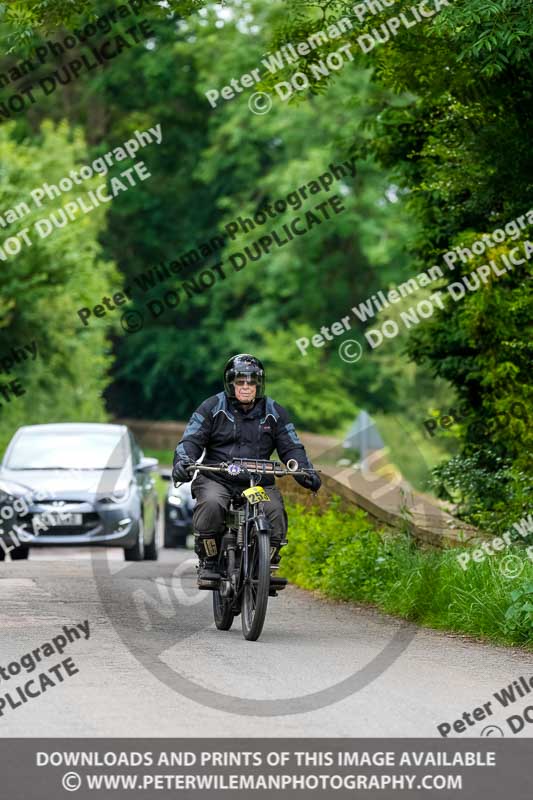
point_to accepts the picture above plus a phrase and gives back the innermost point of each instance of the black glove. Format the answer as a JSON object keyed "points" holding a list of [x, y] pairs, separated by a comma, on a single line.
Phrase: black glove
{"points": [[312, 482], [180, 473]]}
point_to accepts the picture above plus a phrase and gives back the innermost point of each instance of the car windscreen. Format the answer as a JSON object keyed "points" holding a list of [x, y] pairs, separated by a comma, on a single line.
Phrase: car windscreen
{"points": [[68, 450]]}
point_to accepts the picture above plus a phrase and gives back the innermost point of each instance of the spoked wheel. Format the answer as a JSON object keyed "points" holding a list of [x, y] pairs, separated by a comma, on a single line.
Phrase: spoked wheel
{"points": [[222, 610], [257, 584]]}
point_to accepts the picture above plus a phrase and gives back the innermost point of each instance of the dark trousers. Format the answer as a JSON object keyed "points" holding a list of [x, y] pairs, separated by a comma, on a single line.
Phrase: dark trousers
{"points": [[213, 499]]}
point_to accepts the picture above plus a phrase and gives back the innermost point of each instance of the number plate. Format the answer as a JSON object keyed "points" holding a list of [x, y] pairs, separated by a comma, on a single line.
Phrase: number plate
{"points": [[256, 494], [51, 520]]}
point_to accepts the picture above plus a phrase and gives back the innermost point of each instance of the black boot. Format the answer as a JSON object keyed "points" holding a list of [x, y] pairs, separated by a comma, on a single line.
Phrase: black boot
{"points": [[208, 569], [276, 584], [206, 548], [275, 548]]}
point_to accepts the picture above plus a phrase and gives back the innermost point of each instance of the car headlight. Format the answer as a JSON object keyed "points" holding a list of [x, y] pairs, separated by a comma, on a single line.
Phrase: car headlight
{"points": [[13, 494], [117, 497], [5, 497], [8, 490], [174, 500]]}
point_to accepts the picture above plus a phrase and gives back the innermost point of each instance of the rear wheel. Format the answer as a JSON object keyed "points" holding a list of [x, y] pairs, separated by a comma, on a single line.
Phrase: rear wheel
{"points": [[256, 587], [222, 611], [222, 604]]}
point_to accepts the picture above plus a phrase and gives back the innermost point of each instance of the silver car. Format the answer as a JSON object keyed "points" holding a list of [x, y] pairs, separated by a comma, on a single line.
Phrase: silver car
{"points": [[77, 484]]}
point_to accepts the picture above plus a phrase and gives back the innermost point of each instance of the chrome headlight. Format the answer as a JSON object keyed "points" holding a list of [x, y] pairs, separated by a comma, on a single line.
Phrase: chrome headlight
{"points": [[117, 497], [175, 500], [9, 492], [11, 489], [5, 497], [15, 500]]}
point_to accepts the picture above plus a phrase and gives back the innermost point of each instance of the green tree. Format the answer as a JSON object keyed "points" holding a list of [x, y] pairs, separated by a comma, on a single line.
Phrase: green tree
{"points": [[453, 125], [45, 284]]}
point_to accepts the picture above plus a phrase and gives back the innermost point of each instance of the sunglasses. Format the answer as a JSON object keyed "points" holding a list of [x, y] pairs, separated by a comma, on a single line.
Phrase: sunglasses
{"points": [[245, 381]]}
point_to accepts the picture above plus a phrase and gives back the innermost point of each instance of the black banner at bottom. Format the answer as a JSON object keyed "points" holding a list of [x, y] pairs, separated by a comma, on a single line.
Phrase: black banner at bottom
{"points": [[53, 769]]}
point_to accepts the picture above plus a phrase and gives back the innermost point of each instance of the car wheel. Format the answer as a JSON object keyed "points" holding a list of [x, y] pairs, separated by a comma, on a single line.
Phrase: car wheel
{"points": [[20, 552], [150, 550], [169, 536], [136, 553]]}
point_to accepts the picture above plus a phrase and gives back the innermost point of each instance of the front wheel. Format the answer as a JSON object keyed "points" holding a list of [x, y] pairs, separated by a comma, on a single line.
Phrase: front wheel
{"points": [[19, 553], [136, 553], [256, 587], [151, 550]]}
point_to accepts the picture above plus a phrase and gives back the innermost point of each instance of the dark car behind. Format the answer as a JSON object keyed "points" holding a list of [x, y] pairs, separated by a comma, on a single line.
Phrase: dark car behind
{"points": [[179, 505]]}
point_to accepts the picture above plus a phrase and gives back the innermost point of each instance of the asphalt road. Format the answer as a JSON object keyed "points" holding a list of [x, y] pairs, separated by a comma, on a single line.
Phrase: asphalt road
{"points": [[155, 665]]}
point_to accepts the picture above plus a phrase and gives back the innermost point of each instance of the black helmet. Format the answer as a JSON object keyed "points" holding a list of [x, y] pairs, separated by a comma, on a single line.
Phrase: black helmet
{"points": [[247, 365]]}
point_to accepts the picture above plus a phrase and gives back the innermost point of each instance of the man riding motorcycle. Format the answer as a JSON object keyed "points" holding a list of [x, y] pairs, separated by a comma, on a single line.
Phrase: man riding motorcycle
{"points": [[239, 422]]}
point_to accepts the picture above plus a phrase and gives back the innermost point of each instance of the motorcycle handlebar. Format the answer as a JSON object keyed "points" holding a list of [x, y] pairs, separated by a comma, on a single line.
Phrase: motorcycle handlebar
{"points": [[276, 471]]}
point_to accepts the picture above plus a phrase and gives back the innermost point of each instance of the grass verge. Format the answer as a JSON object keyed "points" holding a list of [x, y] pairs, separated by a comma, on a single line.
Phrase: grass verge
{"points": [[344, 556]]}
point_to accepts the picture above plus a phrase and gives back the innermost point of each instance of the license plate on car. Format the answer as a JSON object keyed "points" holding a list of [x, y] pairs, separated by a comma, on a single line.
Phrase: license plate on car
{"points": [[55, 520], [256, 494]]}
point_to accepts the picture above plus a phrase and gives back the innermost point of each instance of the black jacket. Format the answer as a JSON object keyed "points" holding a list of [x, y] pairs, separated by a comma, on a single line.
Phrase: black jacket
{"points": [[226, 431]]}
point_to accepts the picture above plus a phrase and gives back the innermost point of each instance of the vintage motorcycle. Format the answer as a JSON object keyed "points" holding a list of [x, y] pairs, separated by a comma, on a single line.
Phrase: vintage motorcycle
{"points": [[244, 564]]}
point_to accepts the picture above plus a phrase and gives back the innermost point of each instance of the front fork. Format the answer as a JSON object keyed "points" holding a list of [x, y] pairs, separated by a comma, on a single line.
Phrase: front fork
{"points": [[260, 521], [254, 516]]}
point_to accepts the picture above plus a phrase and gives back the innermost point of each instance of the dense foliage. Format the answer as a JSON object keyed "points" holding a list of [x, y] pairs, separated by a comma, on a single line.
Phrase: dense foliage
{"points": [[66, 374], [343, 556], [454, 125]]}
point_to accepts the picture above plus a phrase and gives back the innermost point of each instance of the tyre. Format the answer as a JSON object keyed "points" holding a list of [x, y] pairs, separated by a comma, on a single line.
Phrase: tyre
{"points": [[2, 554], [169, 537], [256, 586], [136, 553], [19, 553], [151, 550], [222, 611]]}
